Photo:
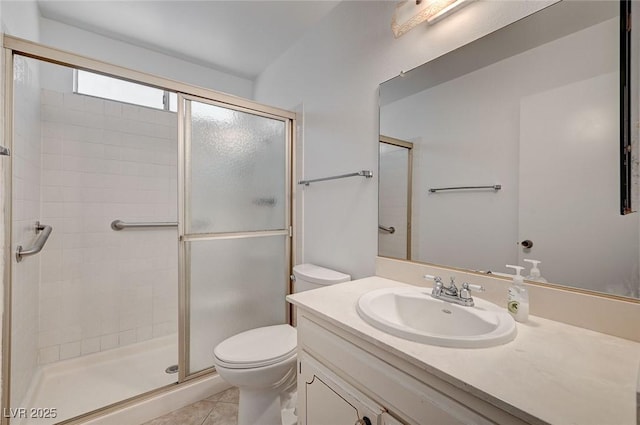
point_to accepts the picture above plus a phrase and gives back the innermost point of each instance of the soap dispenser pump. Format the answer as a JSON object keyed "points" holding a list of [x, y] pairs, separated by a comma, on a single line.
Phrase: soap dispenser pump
{"points": [[518, 304], [534, 273]]}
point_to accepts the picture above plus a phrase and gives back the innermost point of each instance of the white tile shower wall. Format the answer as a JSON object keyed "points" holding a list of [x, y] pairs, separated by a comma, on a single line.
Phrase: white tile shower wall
{"points": [[102, 161], [26, 211]]}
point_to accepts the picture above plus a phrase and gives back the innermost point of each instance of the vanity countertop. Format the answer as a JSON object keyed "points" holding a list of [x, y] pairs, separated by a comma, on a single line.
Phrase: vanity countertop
{"points": [[551, 373]]}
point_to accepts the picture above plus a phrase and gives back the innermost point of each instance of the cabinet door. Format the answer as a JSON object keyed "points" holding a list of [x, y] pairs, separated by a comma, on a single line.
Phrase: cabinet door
{"points": [[387, 419], [415, 402], [325, 399]]}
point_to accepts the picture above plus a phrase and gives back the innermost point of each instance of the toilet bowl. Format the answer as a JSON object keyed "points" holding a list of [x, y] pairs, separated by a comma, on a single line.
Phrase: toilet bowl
{"points": [[261, 362]]}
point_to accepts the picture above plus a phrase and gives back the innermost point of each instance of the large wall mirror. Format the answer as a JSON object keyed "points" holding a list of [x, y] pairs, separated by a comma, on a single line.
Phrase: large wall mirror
{"points": [[509, 148]]}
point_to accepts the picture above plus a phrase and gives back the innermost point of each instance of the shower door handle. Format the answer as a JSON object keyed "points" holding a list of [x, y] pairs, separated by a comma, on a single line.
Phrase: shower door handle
{"points": [[5, 151]]}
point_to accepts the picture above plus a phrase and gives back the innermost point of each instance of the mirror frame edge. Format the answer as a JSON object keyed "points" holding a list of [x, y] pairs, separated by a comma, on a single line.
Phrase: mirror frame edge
{"points": [[626, 174]]}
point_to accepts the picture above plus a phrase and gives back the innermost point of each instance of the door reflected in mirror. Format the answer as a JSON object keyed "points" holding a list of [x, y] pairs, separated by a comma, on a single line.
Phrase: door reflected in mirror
{"points": [[523, 128], [394, 191]]}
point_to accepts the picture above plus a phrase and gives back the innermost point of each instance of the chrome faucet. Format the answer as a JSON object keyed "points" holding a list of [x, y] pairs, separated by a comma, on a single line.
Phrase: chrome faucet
{"points": [[451, 293]]}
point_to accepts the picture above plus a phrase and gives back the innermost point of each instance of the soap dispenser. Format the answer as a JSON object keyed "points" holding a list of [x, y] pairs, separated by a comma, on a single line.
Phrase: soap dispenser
{"points": [[518, 304], [534, 273]]}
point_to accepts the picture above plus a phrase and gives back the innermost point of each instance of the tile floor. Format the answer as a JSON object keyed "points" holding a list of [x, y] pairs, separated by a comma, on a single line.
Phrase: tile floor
{"points": [[219, 409]]}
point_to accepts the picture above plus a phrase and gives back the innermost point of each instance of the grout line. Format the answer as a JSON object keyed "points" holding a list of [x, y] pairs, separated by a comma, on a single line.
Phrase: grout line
{"points": [[208, 413]]}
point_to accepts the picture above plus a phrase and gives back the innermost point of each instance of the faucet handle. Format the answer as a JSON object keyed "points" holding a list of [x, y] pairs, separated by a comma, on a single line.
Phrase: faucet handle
{"points": [[472, 287], [436, 279], [465, 291], [437, 288]]}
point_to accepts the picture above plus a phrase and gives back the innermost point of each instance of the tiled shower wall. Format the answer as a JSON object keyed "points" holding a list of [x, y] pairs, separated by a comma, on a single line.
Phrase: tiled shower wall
{"points": [[26, 198], [99, 288]]}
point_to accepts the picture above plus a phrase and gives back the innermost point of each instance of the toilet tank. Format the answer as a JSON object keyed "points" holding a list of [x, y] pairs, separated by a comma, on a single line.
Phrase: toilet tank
{"points": [[310, 276]]}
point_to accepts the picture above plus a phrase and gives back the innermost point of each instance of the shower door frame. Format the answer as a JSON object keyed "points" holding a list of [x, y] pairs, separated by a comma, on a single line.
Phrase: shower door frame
{"points": [[13, 46], [184, 201]]}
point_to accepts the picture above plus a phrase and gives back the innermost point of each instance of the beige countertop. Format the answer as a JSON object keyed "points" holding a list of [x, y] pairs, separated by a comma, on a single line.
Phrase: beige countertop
{"points": [[553, 372]]}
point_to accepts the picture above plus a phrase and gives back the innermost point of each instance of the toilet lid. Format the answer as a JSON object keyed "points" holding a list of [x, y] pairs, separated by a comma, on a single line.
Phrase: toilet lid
{"points": [[257, 347]]}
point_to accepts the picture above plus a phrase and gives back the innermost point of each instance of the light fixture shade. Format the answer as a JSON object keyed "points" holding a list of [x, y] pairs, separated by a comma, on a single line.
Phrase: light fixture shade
{"points": [[410, 13]]}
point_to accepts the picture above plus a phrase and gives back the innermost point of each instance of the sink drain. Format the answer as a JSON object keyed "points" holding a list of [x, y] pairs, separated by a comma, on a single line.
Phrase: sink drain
{"points": [[171, 369], [444, 310]]}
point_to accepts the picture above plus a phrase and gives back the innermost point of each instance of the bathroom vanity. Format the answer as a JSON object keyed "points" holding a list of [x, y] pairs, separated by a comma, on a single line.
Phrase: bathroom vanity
{"points": [[552, 373]]}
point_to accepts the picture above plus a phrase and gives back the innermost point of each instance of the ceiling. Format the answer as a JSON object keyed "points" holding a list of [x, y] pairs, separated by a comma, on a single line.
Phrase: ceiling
{"points": [[238, 37]]}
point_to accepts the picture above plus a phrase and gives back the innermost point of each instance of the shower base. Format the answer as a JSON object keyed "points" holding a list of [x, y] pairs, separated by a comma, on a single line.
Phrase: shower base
{"points": [[87, 383]]}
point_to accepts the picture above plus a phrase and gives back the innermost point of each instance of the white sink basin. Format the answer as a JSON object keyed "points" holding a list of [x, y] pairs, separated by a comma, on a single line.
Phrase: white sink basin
{"points": [[413, 314]]}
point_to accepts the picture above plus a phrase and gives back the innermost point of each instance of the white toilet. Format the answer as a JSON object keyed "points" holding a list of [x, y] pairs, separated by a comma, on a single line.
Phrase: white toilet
{"points": [[261, 362]]}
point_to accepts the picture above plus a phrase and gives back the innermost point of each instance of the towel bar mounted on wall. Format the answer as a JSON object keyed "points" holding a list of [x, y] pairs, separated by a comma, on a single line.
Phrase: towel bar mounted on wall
{"points": [[364, 173], [120, 225], [438, 189]]}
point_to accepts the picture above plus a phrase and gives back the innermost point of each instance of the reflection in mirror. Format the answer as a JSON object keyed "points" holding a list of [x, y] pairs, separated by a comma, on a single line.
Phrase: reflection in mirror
{"points": [[534, 108], [394, 190]]}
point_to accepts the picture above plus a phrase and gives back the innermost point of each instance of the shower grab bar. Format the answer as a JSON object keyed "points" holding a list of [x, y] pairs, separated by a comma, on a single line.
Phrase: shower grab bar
{"points": [[364, 173], [494, 187], [120, 225], [38, 244], [390, 229]]}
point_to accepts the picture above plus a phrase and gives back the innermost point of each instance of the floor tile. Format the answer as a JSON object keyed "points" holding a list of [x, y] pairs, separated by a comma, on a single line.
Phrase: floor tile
{"points": [[223, 414], [229, 396], [194, 414]]}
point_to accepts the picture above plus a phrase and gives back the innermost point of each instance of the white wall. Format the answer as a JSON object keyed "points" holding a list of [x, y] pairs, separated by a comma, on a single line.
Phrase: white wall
{"points": [[335, 70], [571, 210], [76, 40], [21, 19]]}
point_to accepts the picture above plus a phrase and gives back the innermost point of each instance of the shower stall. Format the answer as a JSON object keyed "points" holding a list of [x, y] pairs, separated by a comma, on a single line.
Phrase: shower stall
{"points": [[143, 224]]}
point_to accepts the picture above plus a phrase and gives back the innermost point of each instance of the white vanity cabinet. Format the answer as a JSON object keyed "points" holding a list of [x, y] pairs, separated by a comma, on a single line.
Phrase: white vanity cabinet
{"points": [[329, 400], [343, 380], [534, 379]]}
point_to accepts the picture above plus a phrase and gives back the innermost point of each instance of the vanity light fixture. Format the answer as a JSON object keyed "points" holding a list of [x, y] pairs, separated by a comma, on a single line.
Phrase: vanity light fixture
{"points": [[410, 13]]}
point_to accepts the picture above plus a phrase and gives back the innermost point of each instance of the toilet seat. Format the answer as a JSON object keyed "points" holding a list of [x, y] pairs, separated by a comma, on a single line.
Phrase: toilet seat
{"points": [[257, 347]]}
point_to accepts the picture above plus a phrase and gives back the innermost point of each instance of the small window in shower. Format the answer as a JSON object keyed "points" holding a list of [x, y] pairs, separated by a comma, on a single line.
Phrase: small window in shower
{"points": [[98, 85]]}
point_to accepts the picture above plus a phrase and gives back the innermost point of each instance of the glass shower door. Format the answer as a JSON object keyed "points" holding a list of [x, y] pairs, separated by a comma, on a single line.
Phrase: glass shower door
{"points": [[94, 314], [235, 224]]}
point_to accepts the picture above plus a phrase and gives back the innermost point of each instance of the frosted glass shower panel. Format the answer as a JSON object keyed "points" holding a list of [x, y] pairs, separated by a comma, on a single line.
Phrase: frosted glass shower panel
{"points": [[236, 285], [237, 171]]}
